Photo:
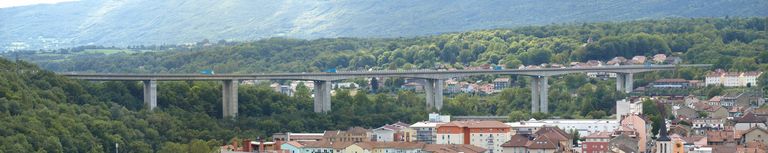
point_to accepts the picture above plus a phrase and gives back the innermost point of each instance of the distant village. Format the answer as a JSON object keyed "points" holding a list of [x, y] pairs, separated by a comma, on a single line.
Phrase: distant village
{"points": [[732, 122]]}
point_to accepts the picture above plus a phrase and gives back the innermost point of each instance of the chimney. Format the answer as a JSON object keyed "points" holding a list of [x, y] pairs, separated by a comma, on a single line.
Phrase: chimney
{"points": [[247, 145]]}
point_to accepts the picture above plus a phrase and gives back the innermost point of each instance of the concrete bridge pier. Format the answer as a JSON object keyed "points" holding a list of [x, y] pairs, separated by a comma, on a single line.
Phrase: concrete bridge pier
{"points": [[434, 93], [429, 89], [544, 94], [535, 82], [150, 94], [539, 94], [322, 96], [229, 98], [619, 82], [624, 82]]}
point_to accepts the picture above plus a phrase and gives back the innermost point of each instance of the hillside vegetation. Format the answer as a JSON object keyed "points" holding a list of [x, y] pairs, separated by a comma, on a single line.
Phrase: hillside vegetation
{"points": [[733, 43]]}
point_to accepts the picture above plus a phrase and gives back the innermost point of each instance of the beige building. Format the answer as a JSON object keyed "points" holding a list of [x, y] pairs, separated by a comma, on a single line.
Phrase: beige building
{"points": [[756, 134], [355, 134], [732, 79], [640, 126]]}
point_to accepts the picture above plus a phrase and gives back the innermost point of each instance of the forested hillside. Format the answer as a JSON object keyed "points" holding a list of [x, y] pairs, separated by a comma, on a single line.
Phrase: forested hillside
{"points": [[731, 43], [124, 23], [41, 111]]}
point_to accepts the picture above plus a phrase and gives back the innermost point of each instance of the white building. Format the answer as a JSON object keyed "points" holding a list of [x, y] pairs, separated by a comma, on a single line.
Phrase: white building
{"points": [[702, 150], [583, 126], [732, 79], [626, 107], [426, 131]]}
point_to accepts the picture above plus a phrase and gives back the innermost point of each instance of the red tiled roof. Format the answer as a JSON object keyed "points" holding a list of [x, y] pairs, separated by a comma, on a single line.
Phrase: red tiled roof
{"points": [[750, 118], [542, 142], [716, 98], [329, 134], [295, 143], [554, 133], [453, 148], [317, 144], [516, 141], [476, 124], [598, 135], [671, 81]]}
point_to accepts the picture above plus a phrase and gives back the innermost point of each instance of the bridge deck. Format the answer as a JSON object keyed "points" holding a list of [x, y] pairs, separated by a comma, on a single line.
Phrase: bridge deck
{"points": [[383, 73]]}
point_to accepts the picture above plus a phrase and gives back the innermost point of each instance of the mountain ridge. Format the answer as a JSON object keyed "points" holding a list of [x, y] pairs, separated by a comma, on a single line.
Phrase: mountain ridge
{"points": [[112, 22]]}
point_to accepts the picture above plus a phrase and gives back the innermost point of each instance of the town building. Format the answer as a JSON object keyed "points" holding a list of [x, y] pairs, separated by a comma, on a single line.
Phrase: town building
{"points": [[627, 107], [689, 142], [388, 133], [732, 79], [412, 86], [354, 134], [671, 83], [501, 83], [623, 143], [372, 147], [292, 147], [638, 60], [751, 99], [288, 136], [749, 121], [453, 148], [755, 134], [726, 136], [426, 131], [485, 134], [640, 126], [452, 86], [701, 125], [617, 61], [583, 126], [391, 132], [546, 140], [596, 142], [659, 58], [325, 146]]}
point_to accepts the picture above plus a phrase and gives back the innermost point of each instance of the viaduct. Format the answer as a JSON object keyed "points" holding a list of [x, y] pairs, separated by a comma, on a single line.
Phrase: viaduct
{"points": [[322, 81]]}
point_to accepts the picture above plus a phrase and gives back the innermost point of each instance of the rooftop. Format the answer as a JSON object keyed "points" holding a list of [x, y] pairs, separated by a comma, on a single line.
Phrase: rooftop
{"points": [[476, 124], [599, 135]]}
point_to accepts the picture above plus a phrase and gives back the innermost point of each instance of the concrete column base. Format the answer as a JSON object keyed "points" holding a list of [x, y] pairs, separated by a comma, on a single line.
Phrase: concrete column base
{"points": [[544, 94], [322, 92], [229, 98], [535, 81], [150, 94]]}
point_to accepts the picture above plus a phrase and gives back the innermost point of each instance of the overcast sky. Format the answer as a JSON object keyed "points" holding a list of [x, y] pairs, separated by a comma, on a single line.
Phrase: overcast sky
{"points": [[14, 3]]}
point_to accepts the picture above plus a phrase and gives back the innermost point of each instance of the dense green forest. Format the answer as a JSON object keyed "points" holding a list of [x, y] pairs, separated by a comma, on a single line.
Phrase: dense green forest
{"points": [[42, 111]]}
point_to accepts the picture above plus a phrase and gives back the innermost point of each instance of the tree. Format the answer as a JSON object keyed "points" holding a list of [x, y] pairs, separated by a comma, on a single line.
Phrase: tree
{"points": [[516, 116], [374, 85], [576, 137], [597, 114]]}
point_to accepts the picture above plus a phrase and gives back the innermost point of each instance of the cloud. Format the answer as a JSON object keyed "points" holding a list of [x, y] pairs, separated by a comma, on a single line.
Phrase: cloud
{"points": [[16, 3]]}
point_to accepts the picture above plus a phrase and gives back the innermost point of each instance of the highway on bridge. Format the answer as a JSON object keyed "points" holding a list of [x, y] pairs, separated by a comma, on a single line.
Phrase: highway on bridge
{"points": [[433, 87]]}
